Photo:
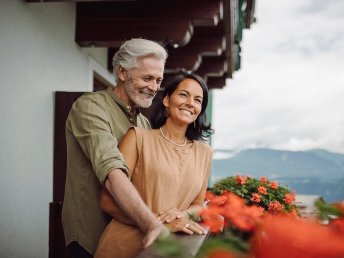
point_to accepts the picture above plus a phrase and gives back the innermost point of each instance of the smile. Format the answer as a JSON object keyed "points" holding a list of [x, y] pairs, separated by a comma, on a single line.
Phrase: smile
{"points": [[147, 94], [186, 112]]}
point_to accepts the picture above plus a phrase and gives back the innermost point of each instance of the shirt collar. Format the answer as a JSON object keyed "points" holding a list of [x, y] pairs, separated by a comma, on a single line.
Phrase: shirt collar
{"points": [[124, 106]]}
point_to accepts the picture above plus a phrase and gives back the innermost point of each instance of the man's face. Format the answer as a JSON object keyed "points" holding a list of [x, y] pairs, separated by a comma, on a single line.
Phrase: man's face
{"points": [[143, 81]]}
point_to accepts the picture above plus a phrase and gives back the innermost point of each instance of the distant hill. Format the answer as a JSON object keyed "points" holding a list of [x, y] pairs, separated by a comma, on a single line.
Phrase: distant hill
{"points": [[278, 163], [308, 172]]}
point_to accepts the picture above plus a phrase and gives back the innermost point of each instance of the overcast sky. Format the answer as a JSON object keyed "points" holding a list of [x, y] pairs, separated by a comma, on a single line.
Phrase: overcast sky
{"points": [[289, 93]]}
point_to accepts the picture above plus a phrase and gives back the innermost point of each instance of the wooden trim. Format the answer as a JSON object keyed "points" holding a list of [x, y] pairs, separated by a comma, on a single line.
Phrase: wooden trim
{"points": [[213, 66], [216, 82], [112, 33], [57, 244], [63, 103], [207, 13]]}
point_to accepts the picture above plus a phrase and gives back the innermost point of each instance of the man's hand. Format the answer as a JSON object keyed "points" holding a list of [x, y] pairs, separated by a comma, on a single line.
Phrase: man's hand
{"points": [[153, 233]]}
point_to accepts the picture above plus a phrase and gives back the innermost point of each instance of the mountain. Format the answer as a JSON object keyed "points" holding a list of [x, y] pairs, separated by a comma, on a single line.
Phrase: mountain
{"points": [[278, 163], [307, 172]]}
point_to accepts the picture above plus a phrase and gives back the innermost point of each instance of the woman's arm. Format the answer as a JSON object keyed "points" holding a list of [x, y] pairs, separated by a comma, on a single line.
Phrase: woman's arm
{"points": [[197, 204], [127, 147]]}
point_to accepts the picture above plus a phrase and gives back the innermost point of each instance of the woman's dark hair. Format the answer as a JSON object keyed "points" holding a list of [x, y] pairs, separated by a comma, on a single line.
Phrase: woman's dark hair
{"points": [[195, 131]]}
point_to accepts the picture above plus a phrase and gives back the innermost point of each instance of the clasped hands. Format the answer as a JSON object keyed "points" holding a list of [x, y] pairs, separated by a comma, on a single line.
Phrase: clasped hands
{"points": [[179, 221]]}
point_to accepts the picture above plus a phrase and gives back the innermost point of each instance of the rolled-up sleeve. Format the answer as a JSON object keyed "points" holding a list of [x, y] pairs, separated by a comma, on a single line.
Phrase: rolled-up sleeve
{"points": [[90, 125]]}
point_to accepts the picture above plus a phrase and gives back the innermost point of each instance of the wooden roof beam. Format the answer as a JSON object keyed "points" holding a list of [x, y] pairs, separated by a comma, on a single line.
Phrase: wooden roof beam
{"points": [[229, 28], [174, 64], [42, 1], [204, 45], [189, 57], [206, 13], [249, 13], [217, 82], [179, 61], [112, 33], [213, 66]]}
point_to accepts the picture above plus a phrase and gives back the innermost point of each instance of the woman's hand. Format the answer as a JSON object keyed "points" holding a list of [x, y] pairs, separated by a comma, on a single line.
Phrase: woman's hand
{"points": [[185, 225], [172, 214]]}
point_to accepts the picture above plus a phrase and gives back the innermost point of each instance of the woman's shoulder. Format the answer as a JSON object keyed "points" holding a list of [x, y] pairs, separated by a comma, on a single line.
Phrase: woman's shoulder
{"points": [[204, 146], [144, 132]]}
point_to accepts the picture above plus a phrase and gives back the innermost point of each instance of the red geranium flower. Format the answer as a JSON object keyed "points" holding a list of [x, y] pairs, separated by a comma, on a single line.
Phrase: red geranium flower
{"points": [[256, 198], [289, 198], [264, 180], [337, 225], [212, 220], [293, 213], [254, 191], [340, 206], [285, 237], [236, 212], [262, 190], [241, 179], [273, 185], [275, 206]]}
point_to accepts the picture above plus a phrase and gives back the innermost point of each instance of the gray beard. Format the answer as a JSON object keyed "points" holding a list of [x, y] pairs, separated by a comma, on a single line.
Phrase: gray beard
{"points": [[136, 97]]}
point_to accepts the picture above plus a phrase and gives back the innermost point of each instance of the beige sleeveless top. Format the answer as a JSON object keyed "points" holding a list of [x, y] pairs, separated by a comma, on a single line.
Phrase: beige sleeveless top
{"points": [[166, 176], [169, 176]]}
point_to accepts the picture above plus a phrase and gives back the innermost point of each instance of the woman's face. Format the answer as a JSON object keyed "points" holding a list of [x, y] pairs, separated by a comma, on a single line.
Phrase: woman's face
{"points": [[185, 103]]}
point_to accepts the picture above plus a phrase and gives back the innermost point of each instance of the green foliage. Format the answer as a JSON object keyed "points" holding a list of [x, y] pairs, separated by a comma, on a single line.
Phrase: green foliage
{"points": [[170, 247], [250, 186], [234, 241], [326, 211], [230, 240]]}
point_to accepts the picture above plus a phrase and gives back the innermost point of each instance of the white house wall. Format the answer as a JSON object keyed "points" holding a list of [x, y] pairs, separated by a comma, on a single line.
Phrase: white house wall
{"points": [[38, 56]]}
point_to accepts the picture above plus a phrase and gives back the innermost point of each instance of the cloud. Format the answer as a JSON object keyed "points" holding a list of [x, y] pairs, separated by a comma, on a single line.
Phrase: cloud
{"points": [[289, 92]]}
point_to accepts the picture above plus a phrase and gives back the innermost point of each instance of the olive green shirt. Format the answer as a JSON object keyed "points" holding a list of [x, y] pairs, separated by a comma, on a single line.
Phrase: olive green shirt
{"points": [[96, 123]]}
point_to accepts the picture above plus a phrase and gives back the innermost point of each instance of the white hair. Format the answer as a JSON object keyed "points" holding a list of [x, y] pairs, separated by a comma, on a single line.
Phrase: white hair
{"points": [[135, 48]]}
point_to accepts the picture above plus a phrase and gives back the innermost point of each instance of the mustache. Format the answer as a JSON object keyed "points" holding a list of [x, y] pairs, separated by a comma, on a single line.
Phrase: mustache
{"points": [[149, 92]]}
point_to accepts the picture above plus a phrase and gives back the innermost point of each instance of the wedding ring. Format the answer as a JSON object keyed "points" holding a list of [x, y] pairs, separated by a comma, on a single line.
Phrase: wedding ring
{"points": [[187, 225]]}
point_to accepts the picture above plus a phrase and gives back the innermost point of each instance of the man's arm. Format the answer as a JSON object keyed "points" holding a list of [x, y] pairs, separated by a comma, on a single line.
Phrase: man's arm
{"points": [[108, 205], [88, 122], [128, 199]]}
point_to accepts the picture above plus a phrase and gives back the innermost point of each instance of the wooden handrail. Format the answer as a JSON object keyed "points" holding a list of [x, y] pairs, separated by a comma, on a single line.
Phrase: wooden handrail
{"points": [[192, 244]]}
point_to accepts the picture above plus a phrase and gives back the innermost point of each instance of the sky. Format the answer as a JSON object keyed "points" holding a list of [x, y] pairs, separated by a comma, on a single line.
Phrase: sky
{"points": [[289, 92]]}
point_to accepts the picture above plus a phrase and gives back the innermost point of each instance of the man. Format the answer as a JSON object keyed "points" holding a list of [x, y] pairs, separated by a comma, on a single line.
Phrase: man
{"points": [[95, 125]]}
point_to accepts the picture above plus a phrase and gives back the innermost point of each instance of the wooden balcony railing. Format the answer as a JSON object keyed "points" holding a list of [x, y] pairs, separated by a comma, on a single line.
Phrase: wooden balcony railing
{"points": [[192, 244]]}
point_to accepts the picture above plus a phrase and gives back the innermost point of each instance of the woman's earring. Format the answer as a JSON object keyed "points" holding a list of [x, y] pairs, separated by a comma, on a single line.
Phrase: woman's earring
{"points": [[195, 124], [166, 112]]}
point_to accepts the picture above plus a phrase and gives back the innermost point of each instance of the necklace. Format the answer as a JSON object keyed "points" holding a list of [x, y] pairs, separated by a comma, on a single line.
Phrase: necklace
{"points": [[180, 145]]}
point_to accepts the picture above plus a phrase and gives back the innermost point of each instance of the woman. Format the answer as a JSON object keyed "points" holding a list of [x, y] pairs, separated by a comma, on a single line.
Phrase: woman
{"points": [[169, 167]]}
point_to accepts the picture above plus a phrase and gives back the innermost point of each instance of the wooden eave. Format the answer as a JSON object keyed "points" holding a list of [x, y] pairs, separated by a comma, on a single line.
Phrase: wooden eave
{"points": [[216, 82], [207, 13], [200, 35], [249, 13], [213, 66], [111, 33]]}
